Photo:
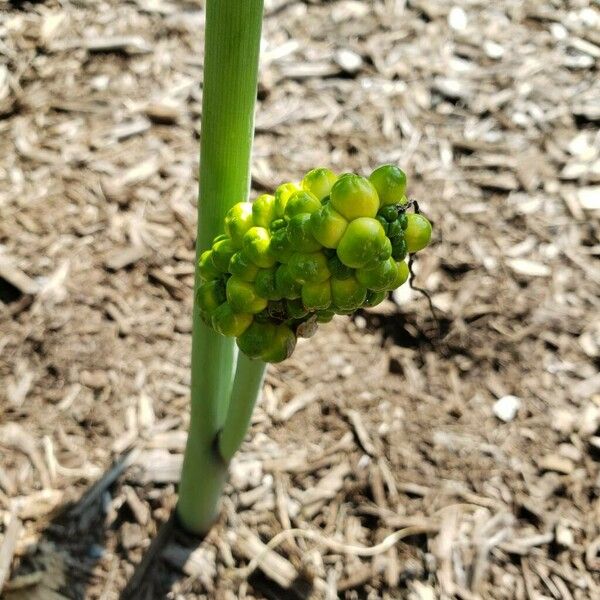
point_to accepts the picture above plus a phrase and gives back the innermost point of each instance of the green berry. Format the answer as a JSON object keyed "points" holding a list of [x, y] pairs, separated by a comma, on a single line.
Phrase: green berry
{"points": [[403, 219], [210, 296], [255, 340], [222, 252], [363, 243], [325, 316], [300, 236], [243, 297], [390, 183], [383, 223], [280, 345], [237, 222], [328, 226], [309, 268], [301, 202], [395, 231], [287, 286], [316, 295], [263, 210], [229, 323], [221, 236], [389, 212], [399, 249], [347, 294], [256, 246], [379, 278], [354, 196], [418, 232], [296, 309], [401, 276], [206, 267], [338, 269], [277, 224], [241, 266], [319, 182], [280, 245], [265, 284], [282, 195], [374, 298]]}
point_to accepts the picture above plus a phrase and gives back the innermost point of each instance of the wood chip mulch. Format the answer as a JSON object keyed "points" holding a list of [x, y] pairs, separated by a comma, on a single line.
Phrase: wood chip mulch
{"points": [[400, 454]]}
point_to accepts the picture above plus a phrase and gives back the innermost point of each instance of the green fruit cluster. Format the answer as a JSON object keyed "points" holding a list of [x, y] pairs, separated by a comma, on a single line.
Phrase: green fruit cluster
{"points": [[288, 261]]}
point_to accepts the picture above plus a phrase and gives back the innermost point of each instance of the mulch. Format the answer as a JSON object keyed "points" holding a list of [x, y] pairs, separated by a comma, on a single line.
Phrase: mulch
{"points": [[403, 453]]}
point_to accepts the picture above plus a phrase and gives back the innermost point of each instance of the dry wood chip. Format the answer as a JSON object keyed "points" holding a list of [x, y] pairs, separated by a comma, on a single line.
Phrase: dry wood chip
{"points": [[139, 508], [359, 577], [328, 486], [530, 268], [589, 197], [298, 403], [156, 466], [361, 432], [7, 548], [274, 566], [195, 562], [14, 436], [37, 504], [555, 462], [16, 277]]}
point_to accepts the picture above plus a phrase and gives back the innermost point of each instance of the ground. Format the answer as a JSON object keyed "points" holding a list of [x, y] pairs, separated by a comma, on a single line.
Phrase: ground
{"points": [[398, 420]]}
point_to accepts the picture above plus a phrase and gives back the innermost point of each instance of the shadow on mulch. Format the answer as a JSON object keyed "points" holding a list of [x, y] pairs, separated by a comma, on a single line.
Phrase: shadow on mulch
{"points": [[72, 559], [69, 560]]}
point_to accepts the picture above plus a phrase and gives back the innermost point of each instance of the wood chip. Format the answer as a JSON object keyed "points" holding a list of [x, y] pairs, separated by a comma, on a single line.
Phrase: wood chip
{"points": [[17, 278], [7, 548], [529, 268], [361, 432]]}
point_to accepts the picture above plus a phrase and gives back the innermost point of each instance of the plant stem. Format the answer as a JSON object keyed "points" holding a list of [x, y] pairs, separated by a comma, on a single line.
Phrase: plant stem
{"points": [[232, 45], [248, 381]]}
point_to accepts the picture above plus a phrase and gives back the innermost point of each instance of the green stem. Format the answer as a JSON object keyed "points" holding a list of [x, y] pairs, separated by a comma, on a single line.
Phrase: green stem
{"points": [[246, 389], [232, 45]]}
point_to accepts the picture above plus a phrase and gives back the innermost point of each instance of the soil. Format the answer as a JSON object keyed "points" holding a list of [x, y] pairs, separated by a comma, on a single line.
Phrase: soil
{"points": [[409, 452]]}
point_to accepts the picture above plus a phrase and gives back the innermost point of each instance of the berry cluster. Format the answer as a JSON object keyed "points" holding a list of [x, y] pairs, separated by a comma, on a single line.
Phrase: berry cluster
{"points": [[291, 260]]}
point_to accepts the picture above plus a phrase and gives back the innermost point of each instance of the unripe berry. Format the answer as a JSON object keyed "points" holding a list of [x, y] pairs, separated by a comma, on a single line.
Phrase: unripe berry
{"points": [[243, 297], [265, 284], [229, 323], [210, 296], [418, 232], [282, 195], [263, 210], [222, 252], [280, 345], [300, 236], [316, 295], [310, 267], [255, 339], [301, 202], [241, 266], [319, 182], [379, 278], [374, 298], [287, 286], [256, 245], [328, 226], [363, 243], [347, 294], [206, 267], [390, 183], [237, 222], [354, 196]]}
